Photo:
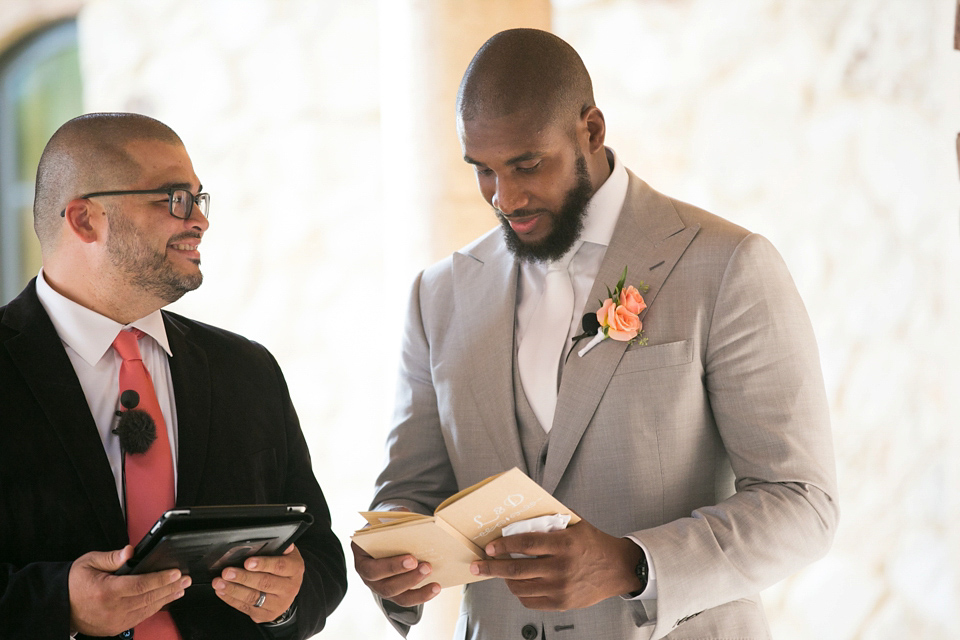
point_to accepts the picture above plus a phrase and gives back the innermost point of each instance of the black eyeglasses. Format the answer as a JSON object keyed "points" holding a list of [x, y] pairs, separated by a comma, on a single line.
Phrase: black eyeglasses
{"points": [[181, 200]]}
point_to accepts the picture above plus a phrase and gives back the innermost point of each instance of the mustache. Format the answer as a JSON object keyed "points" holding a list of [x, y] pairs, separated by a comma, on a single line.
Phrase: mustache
{"points": [[184, 236], [519, 213]]}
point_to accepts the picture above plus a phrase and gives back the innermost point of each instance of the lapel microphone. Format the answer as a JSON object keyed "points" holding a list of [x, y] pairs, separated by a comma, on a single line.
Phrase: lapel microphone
{"points": [[590, 326], [136, 429]]}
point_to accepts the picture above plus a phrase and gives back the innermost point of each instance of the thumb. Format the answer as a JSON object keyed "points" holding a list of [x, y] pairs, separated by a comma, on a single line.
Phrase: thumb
{"points": [[110, 561]]}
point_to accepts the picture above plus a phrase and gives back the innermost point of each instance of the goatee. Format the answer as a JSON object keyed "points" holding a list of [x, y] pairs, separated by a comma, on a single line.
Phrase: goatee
{"points": [[567, 222], [146, 267]]}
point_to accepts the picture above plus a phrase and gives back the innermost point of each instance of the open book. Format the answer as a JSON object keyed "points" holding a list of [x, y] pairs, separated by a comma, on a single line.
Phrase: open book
{"points": [[461, 526]]}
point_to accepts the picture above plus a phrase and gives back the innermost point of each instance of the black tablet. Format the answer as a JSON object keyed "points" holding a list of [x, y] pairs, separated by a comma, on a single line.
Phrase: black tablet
{"points": [[202, 541]]}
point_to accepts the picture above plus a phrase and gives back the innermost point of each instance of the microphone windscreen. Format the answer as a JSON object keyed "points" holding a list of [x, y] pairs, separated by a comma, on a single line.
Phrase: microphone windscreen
{"points": [[590, 324], [129, 399], [137, 431]]}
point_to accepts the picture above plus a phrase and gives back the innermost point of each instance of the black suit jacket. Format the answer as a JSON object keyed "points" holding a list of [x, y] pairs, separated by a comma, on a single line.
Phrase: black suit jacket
{"points": [[239, 443]]}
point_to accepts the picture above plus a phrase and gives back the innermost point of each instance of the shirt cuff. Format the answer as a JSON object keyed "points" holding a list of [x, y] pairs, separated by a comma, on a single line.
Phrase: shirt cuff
{"points": [[647, 597]]}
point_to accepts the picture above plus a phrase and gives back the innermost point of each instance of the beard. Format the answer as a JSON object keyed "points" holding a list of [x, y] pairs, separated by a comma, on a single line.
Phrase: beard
{"points": [[146, 267], [567, 222]]}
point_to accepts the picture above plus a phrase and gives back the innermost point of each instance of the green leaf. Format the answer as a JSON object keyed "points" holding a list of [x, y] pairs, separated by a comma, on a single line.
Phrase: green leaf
{"points": [[623, 278]]}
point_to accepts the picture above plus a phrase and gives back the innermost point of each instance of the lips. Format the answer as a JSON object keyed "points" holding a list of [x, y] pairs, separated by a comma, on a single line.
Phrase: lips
{"points": [[186, 247], [523, 224]]}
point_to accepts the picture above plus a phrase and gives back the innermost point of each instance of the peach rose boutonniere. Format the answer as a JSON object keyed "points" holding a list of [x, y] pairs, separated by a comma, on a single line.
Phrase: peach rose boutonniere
{"points": [[618, 316]]}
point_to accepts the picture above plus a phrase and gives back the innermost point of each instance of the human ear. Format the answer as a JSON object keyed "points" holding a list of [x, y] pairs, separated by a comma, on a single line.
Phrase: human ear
{"points": [[82, 221], [596, 128]]}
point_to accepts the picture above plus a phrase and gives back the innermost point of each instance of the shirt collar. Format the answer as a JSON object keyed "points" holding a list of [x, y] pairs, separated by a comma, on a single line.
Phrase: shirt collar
{"points": [[86, 331], [604, 207]]}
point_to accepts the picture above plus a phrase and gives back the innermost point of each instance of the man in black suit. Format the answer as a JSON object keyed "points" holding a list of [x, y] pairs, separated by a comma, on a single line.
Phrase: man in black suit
{"points": [[120, 214]]}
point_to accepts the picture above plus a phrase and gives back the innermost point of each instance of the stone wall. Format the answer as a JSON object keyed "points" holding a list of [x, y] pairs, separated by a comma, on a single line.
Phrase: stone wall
{"points": [[829, 127], [278, 105]]}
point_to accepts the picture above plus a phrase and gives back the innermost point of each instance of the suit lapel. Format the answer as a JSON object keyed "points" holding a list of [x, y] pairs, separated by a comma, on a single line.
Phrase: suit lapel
{"points": [[190, 371], [41, 359], [649, 239], [485, 288]]}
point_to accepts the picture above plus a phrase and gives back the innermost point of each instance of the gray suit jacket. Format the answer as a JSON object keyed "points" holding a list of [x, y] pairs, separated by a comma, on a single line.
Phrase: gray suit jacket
{"points": [[711, 445]]}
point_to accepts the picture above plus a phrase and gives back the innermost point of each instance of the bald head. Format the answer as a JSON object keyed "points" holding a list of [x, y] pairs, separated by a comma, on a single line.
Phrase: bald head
{"points": [[522, 69], [88, 154]]}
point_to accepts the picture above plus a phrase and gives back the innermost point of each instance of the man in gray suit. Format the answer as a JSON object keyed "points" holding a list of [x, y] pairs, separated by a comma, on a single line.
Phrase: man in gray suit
{"points": [[698, 454]]}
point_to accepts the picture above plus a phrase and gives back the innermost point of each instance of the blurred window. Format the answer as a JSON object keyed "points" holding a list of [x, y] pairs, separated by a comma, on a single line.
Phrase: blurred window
{"points": [[40, 89]]}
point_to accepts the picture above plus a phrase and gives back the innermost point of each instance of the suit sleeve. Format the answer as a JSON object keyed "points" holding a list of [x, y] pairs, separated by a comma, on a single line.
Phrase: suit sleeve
{"points": [[325, 574], [418, 474], [35, 600], [765, 388]]}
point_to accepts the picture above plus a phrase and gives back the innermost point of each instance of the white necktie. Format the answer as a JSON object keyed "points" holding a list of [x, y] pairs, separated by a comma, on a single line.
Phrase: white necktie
{"points": [[538, 357]]}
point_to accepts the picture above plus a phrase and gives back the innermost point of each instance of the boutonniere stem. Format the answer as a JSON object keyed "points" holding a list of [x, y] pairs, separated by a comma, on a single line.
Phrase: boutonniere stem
{"points": [[597, 339]]}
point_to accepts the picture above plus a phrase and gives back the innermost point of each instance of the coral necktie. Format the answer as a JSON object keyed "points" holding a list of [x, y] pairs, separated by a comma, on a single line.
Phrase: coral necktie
{"points": [[538, 357], [148, 477]]}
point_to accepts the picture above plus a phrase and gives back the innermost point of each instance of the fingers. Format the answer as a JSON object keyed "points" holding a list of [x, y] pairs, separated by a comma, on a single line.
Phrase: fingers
{"points": [[148, 583], [253, 581], [152, 601], [372, 569], [397, 578], [288, 565], [414, 597], [530, 544], [244, 599], [277, 578], [519, 569], [105, 604], [108, 561]]}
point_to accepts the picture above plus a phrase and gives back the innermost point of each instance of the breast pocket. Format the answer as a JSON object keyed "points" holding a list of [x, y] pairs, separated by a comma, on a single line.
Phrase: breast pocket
{"points": [[655, 356]]}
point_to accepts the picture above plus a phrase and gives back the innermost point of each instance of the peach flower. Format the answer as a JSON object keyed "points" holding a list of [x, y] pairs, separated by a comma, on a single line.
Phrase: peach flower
{"points": [[632, 300], [618, 322]]}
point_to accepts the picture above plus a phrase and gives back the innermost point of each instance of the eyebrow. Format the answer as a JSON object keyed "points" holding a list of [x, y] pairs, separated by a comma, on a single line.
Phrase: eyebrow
{"points": [[179, 185], [523, 157]]}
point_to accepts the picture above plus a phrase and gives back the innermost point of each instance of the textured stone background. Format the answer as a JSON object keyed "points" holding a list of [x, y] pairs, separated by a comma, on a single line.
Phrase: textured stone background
{"points": [[827, 125]]}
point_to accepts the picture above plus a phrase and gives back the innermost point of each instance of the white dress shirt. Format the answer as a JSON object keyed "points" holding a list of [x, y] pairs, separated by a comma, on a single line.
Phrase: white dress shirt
{"points": [[87, 337], [603, 210], [601, 217]]}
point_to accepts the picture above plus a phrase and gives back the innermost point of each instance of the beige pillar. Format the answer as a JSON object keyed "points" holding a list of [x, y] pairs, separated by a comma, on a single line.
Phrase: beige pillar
{"points": [[431, 202], [430, 195]]}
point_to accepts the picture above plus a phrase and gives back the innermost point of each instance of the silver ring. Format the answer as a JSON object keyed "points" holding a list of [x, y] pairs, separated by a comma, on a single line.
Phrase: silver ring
{"points": [[260, 600]]}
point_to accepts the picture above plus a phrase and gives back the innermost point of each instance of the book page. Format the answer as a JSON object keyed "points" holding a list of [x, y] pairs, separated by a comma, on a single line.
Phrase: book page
{"points": [[386, 518], [481, 511]]}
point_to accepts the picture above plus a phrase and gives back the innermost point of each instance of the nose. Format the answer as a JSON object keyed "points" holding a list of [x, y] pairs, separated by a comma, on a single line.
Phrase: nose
{"points": [[508, 196], [197, 220]]}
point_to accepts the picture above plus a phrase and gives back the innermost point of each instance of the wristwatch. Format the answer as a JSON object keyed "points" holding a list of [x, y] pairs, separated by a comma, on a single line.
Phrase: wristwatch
{"points": [[285, 618], [643, 573]]}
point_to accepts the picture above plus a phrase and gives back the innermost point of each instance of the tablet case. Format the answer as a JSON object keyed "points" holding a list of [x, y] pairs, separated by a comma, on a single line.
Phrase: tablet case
{"points": [[202, 541]]}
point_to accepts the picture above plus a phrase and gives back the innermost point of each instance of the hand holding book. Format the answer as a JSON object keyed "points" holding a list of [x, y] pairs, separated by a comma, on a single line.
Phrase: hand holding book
{"points": [[461, 527]]}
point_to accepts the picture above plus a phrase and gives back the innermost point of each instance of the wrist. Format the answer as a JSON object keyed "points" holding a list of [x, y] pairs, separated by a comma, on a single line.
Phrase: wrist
{"points": [[642, 573], [634, 569], [285, 619], [628, 581]]}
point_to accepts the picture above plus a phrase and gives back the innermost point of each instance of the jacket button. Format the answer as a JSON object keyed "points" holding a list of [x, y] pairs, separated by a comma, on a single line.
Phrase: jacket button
{"points": [[529, 632]]}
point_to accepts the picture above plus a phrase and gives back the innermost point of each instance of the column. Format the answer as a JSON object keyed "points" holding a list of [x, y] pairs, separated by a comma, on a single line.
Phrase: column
{"points": [[431, 202]]}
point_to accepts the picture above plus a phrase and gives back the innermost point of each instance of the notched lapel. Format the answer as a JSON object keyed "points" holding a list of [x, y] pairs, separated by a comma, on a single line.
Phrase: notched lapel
{"points": [[485, 292], [41, 359], [649, 239], [190, 370]]}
